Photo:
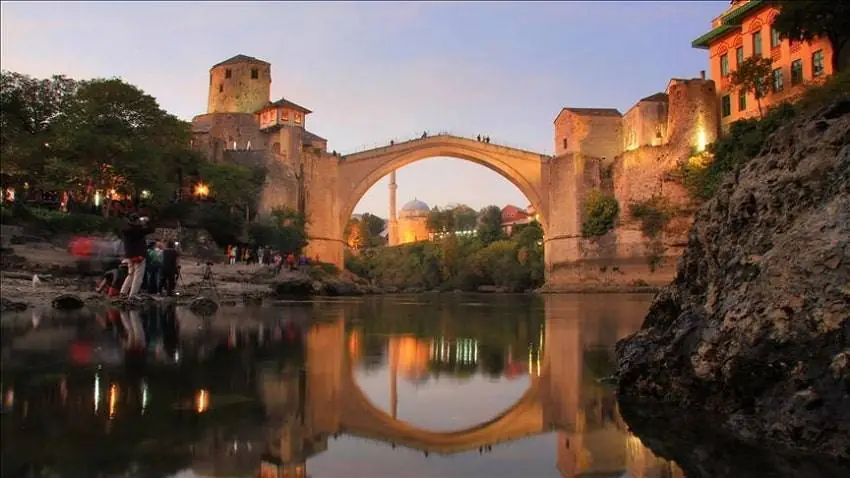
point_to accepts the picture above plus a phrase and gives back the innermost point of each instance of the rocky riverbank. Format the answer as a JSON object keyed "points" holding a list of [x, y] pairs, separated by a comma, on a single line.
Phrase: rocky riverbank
{"points": [[754, 333], [58, 274]]}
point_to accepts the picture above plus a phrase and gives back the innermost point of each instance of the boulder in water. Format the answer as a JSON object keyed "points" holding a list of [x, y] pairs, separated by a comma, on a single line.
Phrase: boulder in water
{"points": [[67, 302], [203, 306], [7, 305]]}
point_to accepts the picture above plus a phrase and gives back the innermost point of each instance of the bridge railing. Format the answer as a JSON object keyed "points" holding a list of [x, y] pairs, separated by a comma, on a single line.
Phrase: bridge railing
{"points": [[401, 141]]}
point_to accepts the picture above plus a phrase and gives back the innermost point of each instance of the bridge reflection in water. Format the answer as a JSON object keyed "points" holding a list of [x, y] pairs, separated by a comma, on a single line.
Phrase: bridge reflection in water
{"points": [[590, 432], [232, 407]]}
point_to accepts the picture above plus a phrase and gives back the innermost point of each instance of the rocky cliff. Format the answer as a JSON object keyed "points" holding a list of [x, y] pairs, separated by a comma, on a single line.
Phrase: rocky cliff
{"points": [[753, 335]]}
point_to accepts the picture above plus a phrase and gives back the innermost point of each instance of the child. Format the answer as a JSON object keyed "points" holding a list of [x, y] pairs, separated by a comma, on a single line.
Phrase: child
{"points": [[114, 278]]}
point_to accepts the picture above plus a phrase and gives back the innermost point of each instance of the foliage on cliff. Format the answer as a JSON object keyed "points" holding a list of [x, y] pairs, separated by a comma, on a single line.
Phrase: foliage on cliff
{"points": [[457, 262], [703, 174], [600, 214]]}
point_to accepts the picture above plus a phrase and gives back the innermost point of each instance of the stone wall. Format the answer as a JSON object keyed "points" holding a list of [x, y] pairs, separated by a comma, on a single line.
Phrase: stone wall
{"points": [[213, 134], [693, 119], [593, 134], [645, 124], [240, 93]]}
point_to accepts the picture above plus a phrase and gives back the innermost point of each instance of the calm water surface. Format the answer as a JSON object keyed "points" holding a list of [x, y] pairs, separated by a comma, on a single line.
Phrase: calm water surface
{"points": [[405, 386]]}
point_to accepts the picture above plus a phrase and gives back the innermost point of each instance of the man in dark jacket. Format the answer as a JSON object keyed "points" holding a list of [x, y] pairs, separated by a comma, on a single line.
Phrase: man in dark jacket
{"points": [[170, 268], [134, 250]]}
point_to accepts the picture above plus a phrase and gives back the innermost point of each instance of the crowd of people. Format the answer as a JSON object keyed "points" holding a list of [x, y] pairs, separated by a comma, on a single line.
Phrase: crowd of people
{"points": [[153, 267], [264, 256]]}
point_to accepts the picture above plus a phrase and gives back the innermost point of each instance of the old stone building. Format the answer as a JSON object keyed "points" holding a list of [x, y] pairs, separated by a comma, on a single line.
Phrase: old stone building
{"points": [[630, 157], [243, 126], [413, 222]]}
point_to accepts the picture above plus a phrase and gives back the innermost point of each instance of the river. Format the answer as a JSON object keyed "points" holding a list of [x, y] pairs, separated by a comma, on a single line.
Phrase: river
{"points": [[398, 386]]}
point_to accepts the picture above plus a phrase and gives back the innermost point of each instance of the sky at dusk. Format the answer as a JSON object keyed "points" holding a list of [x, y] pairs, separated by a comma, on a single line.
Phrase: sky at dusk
{"points": [[377, 71]]}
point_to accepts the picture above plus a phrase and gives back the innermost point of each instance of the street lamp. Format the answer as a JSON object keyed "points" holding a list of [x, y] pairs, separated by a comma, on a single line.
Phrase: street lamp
{"points": [[202, 190]]}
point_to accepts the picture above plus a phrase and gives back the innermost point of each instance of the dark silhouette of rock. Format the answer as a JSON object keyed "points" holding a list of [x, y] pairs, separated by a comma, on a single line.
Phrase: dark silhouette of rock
{"points": [[203, 306], [7, 305], [67, 302], [754, 333]]}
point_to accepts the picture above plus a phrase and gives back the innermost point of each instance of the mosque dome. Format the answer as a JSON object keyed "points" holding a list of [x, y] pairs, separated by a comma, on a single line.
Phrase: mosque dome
{"points": [[415, 207]]}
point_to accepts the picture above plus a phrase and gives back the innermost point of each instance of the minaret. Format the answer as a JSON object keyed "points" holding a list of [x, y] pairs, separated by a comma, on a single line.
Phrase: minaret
{"points": [[393, 221]]}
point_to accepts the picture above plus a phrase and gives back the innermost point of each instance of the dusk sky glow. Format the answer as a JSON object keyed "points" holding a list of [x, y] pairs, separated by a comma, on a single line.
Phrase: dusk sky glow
{"points": [[377, 71]]}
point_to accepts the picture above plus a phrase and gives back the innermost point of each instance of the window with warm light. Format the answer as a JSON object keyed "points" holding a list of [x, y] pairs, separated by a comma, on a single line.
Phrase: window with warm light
{"points": [[724, 65], [817, 63], [796, 72], [742, 100], [777, 80], [725, 106], [757, 46], [739, 56]]}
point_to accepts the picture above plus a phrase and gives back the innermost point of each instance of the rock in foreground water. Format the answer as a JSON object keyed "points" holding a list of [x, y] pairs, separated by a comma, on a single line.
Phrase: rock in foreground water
{"points": [[754, 330]]}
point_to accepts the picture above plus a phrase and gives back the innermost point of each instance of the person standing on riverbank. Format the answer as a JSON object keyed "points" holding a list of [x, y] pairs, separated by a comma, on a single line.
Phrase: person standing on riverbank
{"points": [[170, 268], [134, 250]]}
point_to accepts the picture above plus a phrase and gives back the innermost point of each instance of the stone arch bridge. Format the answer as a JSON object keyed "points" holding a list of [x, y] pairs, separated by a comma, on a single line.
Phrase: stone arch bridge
{"points": [[554, 186]]}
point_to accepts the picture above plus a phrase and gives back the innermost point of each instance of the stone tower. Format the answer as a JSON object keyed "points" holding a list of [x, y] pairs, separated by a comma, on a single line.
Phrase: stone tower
{"points": [[241, 84], [393, 220]]}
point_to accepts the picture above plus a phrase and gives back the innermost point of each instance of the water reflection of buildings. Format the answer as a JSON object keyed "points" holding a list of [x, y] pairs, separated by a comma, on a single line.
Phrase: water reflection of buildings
{"points": [[247, 407]]}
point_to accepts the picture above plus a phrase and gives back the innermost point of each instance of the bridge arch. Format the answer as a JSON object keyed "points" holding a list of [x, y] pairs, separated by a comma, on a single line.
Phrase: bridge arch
{"points": [[360, 171], [362, 418]]}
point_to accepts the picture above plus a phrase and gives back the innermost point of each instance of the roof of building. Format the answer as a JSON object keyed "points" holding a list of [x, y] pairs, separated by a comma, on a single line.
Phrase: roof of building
{"points": [[240, 58], [730, 21], [591, 112], [288, 104], [416, 205], [658, 97]]}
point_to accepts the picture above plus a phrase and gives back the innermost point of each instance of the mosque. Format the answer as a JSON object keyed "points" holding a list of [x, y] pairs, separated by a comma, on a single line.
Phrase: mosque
{"points": [[408, 225]]}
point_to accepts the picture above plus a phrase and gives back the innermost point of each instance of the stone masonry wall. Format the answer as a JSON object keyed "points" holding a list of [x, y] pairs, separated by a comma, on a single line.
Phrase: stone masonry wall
{"points": [[589, 135], [240, 93]]}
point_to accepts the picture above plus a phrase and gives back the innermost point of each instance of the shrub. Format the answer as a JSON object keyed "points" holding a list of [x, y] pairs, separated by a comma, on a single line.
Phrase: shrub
{"points": [[653, 214], [600, 214]]}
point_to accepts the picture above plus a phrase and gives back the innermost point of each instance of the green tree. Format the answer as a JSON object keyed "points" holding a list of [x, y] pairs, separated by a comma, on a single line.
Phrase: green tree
{"points": [[465, 218], [753, 76], [29, 109], [354, 234], [284, 230], [806, 20], [233, 185], [439, 220], [371, 228], [112, 135], [490, 225]]}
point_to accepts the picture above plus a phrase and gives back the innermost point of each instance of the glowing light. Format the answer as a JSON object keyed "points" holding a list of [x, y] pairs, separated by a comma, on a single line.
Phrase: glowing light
{"points": [[10, 194], [202, 190], [113, 399], [10, 398], [145, 397], [700, 140], [146, 194], [202, 401], [96, 392], [97, 198]]}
